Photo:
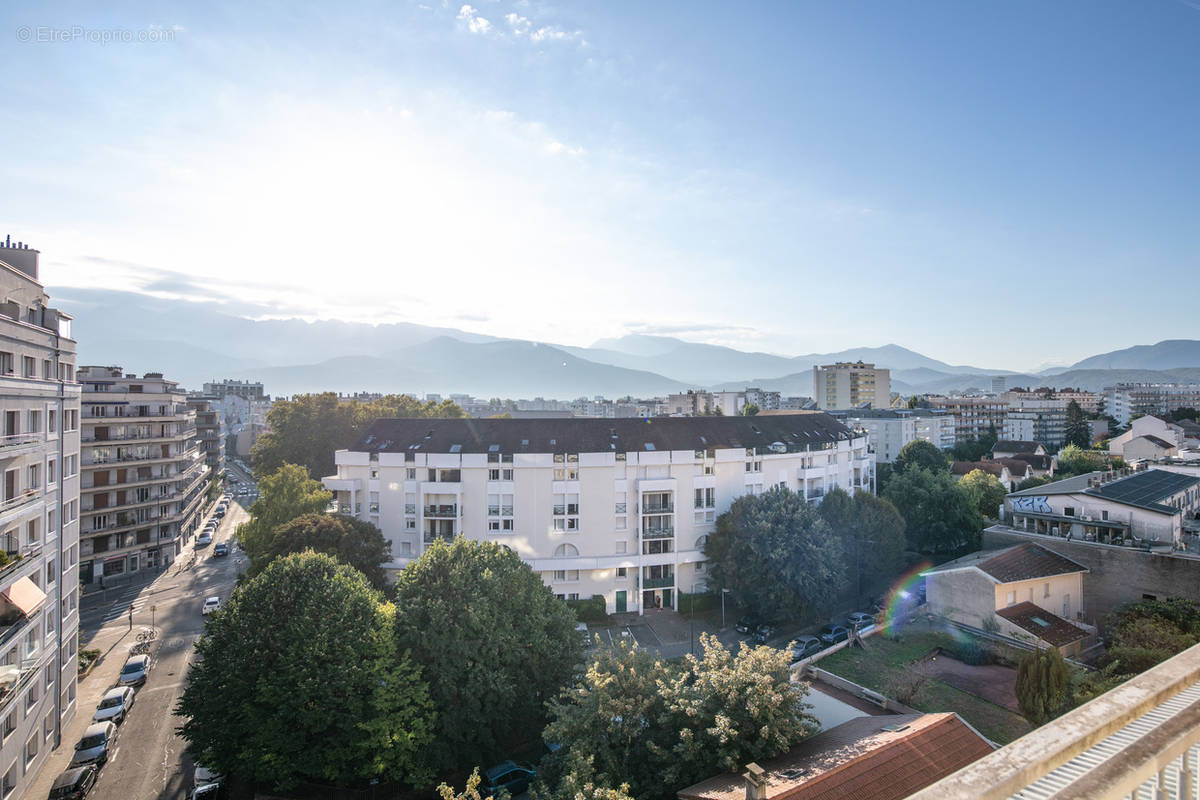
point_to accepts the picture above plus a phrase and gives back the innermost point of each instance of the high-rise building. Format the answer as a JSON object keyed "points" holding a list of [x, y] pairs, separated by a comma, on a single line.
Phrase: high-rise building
{"points": [[39, 529], [852, 385], [612, 507], [143, 473], [243, 389], [208, 433], [974, 417]]}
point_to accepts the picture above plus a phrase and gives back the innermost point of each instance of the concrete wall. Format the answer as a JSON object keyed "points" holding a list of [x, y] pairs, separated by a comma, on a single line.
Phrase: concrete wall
{"points": [[964, 595], [1117, 575], [1062, 588]]}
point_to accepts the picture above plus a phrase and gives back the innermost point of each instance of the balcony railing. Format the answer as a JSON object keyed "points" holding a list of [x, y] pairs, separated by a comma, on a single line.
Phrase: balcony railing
{"points": [[620, 508], [1137, 740], [658, 583], [430, 538], [20, 558], [15, 440], [441, 511], [658, 508], [570, 509], [658, 533], [500, 511], [24, 498]]}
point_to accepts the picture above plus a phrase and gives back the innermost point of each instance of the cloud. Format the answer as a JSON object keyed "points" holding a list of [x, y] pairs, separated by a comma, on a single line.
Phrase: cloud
{"points": [[475, 23], [550, 33], [556, 147], [524, 27]]}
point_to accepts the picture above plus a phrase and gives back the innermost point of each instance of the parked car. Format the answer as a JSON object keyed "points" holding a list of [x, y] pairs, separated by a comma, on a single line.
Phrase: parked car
{"points": [[114, 705], [203, 539], [746, 624], [74, 784], [859, 620], [762, 633], [805, 646], [222, 549], [206, 783], [211, 604], [135, 670], [96, 744], [832, 634], [512, 776]]}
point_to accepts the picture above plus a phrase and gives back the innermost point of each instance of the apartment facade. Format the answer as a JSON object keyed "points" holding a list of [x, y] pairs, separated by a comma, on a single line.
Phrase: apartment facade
{"points": [[618, 508], [231, 388], [143, 481], [1125, 400], [39, 529], [936, 428], [974, 417], [887, 431], [851, 385], [208, 433]]}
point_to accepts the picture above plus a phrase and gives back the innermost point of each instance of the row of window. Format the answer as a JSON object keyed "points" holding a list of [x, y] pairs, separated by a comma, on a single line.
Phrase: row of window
{"points": [[49, 370]]}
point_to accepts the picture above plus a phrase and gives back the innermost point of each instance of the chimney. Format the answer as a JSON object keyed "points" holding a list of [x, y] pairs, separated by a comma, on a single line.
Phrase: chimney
{"points": [[756, 782]]}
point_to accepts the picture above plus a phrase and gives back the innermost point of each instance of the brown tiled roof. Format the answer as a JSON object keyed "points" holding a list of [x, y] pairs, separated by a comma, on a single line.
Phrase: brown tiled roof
{"points": [[1015, 446], [1036, 460], [1017, 467], [990, 467], [1041, 623], [1027, 561], [858, 760]]}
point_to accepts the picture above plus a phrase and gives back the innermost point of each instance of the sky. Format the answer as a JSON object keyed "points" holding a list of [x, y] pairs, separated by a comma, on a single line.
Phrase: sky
{"points": [[1005, 184]]}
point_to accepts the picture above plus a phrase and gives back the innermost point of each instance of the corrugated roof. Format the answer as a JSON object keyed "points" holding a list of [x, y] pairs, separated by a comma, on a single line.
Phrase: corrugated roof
{"points": [[1041, 623], [789, 432], [860, 760]]}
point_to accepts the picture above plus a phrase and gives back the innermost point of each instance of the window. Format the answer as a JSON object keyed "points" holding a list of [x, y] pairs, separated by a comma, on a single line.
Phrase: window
{"points": [[566, 551], [1068, 511], [1012, 598], [622, 572], [406, 548], [493, 474], [566, 574], [52, 421], [1046, 590], [410, 524], [621, 547], [410, 474], [1066, 606], [9, 781], [35, 476], [28, 367], [48, 727], [10, 725], [573, 596], [51, 472], [6, 363], [621, 523], [31, 749], [35, 422]]}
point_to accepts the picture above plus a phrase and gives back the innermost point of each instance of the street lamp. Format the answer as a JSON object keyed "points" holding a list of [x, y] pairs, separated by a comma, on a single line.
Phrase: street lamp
{"points": [[723, 593]]}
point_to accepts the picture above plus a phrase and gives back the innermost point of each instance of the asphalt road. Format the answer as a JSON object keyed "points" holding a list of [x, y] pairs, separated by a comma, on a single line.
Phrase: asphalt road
{"points": [[149, 762]]}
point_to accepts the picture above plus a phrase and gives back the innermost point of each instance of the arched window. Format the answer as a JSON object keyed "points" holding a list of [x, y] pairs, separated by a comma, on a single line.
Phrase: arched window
{"points": [[700, 542], [566, 551]]}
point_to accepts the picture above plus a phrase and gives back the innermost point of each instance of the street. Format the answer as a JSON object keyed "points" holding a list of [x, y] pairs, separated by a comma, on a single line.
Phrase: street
{"points": [[149, 760]]}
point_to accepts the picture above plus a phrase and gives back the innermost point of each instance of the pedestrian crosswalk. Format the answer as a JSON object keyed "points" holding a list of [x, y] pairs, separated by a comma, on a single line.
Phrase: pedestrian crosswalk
{"points": [[120, 606]]}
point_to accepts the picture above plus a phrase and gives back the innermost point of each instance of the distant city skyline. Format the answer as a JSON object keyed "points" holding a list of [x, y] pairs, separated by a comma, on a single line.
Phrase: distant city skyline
{"points": [[1006, 186]]}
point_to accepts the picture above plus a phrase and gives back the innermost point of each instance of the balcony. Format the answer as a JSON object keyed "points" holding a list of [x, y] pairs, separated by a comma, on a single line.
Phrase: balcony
{"points": [[658, 583], [15, 444], [1137, 740], [441, 511], [658, 508], [664, 532], [19, 501], [431, 537]]}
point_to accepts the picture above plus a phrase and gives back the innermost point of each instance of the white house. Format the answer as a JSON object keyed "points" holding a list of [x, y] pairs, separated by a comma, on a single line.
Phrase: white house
{"points": [[612, 507]]}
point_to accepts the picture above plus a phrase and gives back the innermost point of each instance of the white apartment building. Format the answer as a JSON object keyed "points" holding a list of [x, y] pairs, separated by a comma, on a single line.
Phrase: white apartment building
{"points": [[1156, 399], [143, 473], [974, 416], [937, 429], [851, 385], [618, 508], [39, 531], [887, 431]]}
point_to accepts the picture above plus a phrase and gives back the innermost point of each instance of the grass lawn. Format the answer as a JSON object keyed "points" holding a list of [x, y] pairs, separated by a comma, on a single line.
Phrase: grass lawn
{"points": [[883, 658]]}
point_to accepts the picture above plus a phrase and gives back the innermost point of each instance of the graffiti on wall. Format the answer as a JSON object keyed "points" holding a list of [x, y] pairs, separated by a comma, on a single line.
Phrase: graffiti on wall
{"points": [[1036, 505]]}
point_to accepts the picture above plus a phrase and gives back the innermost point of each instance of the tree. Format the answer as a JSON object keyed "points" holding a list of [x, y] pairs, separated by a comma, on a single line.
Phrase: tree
{"points": [[658, 725], [1151, 631], [985, 491], [282, 496], [306, 652], [920, 454], [775, 555], [1073, 460], [309, 428], [1032, 482], [749, 410], [351, 541], [871, 531], [1077, 431], [938, 515], [495, 644], [1042, 684]]}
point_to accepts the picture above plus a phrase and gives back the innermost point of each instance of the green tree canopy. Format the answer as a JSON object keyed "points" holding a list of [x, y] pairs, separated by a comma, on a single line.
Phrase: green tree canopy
{"points": [[938, 515], [309, 428], [749, 410], [658, 726], [306, 653], [872, 534], [351, 541], [1151, 631], [1074, 460], [1043, 684], [985, 491], [775, 555], [495, 644], [282, 496], [1077, 431], [920, 454]]}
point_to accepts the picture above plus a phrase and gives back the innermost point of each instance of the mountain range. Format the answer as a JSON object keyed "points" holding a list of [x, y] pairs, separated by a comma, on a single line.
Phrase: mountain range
{"points": [[195, 342]]}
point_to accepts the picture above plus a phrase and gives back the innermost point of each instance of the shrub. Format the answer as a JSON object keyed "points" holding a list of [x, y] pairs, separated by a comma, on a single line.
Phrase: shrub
{"points": [[592, 609]]}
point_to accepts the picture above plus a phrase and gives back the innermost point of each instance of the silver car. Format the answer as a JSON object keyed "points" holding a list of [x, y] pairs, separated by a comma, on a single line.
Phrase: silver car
{"points": [[114, 705], [134, 672], [96, 745]]}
